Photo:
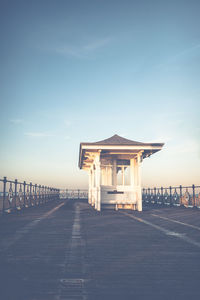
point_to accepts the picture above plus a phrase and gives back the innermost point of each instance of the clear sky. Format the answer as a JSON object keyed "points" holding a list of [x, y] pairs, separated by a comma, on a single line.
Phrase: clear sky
{"points": [[76, 71]]}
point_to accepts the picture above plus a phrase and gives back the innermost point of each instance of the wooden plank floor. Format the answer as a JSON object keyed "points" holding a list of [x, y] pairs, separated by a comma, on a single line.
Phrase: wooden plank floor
{"points": [[66, 250]]}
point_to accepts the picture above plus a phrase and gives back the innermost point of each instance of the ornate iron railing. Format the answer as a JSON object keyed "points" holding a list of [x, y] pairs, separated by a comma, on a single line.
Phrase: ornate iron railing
{"points": [[73, 194], [188, 196], [15, 195]]}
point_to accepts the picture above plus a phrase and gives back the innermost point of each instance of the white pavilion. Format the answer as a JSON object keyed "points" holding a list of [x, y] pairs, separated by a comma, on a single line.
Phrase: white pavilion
{"points": [[114, 171]]}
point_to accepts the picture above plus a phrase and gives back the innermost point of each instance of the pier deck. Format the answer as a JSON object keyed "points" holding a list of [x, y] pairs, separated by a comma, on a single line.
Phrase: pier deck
{"points": [[67, 250]]}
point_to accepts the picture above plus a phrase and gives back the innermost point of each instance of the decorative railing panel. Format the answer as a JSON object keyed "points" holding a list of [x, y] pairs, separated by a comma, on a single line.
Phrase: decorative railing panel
{"points": [[73, 194], [187, 196], [16, 195]]}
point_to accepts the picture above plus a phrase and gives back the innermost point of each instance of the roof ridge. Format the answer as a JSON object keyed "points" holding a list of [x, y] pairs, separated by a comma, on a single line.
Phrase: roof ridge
{"points": [[117, 140]]}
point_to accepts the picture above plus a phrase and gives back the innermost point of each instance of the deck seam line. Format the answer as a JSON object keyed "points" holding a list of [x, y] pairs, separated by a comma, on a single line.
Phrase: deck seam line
{"points": [[73, 285], [176, 221], [164, 230], [19, 234]]}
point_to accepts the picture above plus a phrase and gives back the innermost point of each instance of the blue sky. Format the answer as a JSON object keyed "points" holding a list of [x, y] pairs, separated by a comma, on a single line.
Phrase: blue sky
{"points": [[74, 71]]}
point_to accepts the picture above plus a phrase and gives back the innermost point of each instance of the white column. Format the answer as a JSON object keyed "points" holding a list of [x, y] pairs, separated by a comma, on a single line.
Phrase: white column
{"points": [[90, 187], [92, 181], [139, 200], [132, 179], [135, 172], [114, 173], [98, 186], [103, 175], [109, 175], [123, 176], [106, 176]]}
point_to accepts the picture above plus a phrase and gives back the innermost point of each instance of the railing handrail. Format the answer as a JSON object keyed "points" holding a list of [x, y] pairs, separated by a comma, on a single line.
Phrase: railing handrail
{"points": [[173, 187], [13, 181], [188, 196], [73, 189], [74, 193], [16, 195]]}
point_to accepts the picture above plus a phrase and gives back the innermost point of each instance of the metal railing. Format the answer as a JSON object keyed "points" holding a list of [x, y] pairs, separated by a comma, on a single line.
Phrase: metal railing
{"points": [[187, 196], [73, 194], [15, 195]]}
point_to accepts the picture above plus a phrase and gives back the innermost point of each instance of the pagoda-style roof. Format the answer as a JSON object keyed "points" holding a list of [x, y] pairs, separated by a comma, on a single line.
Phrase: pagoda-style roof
{"points": [[118, 140], [118, 143]]}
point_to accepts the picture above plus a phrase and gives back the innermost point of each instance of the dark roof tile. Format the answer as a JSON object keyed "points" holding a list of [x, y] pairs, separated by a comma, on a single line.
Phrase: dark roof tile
{"points": [[118, 140]]}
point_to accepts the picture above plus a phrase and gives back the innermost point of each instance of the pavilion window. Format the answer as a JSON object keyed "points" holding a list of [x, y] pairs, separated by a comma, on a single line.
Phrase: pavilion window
{"points": [[127, 180], [123, 172], [106, 175], [94, 178], [119, 175]]}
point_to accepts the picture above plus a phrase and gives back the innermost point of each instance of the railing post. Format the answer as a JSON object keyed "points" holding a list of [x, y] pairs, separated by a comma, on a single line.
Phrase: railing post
{"points": [[193, 195], [162, 195], [78, 194], [170, 193], [143, 195], [33, 195], [149, 195], [36, 195], [44, 194], [24, 193], [39, 194], [50, 194], [20, 196], [181, 194], [47, 194], [15, 203], [44, 190], [30, 195], [4, 193], [155, 198]]}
